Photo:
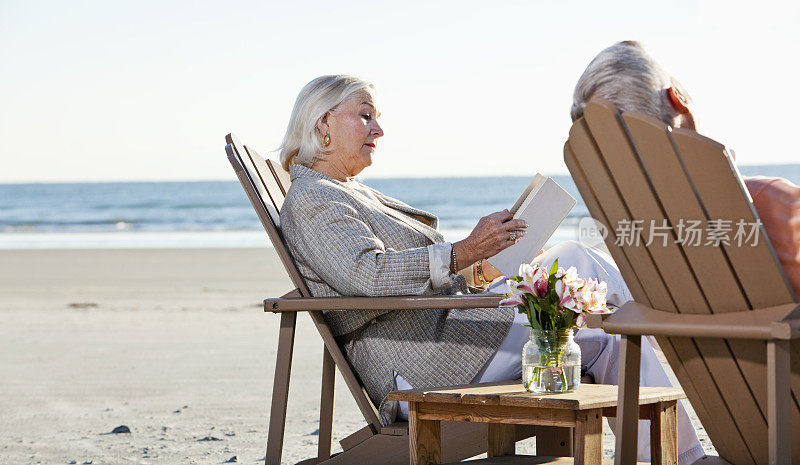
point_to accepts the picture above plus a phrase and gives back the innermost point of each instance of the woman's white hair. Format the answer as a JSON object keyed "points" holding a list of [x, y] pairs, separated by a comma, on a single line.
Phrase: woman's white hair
{"points": [[628, 77], [302, 143]]}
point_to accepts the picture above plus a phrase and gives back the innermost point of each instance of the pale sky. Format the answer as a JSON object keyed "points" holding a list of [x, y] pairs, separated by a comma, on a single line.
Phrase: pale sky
{"points": [[146, 90]]}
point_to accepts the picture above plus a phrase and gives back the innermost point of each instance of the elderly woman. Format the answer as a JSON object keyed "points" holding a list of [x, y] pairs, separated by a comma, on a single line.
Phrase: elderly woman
{"points": [[348, 239]]}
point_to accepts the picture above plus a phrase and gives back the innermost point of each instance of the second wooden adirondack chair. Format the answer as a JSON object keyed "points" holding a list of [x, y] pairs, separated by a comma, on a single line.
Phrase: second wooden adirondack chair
{"points": [[723, 313]]}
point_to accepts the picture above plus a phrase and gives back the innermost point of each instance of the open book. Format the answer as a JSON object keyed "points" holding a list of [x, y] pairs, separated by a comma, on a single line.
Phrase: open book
{"points": [[543, 205]]}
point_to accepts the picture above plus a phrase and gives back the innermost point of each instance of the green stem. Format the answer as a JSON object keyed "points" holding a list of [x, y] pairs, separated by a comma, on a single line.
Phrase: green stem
{"points": [[551, 360]]}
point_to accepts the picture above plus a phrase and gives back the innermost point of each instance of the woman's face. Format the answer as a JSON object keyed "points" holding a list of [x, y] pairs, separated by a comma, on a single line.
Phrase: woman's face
{"points": [[353, 130]]}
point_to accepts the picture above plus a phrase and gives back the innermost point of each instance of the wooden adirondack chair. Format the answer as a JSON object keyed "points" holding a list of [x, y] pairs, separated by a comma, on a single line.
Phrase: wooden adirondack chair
{"points": [[725, 316], [266, 184]]}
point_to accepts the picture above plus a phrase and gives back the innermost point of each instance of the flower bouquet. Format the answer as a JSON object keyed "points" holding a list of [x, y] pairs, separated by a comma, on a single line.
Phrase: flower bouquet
{"points": [[554, 302]]}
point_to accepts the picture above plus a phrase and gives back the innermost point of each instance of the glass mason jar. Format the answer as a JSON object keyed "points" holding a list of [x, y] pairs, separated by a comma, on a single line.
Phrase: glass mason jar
{"points": [[551, 362]]}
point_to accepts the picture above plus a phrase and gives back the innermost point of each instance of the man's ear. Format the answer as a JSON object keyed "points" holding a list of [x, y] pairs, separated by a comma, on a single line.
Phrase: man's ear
{"points": [[678, 100]]}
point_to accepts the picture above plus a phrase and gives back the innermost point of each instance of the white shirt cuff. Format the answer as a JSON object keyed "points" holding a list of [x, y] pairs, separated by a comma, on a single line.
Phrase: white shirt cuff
{"points": [[439, 262]]}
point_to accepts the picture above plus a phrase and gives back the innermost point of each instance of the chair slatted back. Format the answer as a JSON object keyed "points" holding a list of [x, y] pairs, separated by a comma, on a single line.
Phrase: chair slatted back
{"points": [[266, 184], [632, 167], [280, 175]]}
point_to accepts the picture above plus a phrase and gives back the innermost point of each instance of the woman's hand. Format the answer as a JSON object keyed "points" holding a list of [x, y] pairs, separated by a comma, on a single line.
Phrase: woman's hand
{"points": [[493, 233]]}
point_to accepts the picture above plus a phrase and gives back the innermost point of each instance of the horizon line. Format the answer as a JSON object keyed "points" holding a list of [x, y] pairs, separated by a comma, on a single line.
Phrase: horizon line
{"points": [[233, 178]]}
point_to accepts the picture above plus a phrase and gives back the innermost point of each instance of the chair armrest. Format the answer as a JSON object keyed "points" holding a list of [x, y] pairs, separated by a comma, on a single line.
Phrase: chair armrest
{"points": [[405, 302], [779, 322]]}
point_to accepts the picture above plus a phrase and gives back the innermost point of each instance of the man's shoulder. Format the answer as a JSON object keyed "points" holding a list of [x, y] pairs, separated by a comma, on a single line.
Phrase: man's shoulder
{"points": [[771, 187]]}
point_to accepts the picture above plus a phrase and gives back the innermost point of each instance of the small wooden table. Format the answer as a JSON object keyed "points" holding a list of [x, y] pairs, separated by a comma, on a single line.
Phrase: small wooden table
{"points": [[503, 405]]}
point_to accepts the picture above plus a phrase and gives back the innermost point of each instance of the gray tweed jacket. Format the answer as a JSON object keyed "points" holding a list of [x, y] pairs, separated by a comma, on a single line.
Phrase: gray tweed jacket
{"points": [[348, 239]]}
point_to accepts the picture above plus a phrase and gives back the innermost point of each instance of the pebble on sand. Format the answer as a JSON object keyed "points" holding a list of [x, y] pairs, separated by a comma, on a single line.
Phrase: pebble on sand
{"points": [[233, 459], [121, 429], [83, 305]]}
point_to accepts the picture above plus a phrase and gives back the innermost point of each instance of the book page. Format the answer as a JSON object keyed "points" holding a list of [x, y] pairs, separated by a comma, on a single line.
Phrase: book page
{"points": [[544, 209]]}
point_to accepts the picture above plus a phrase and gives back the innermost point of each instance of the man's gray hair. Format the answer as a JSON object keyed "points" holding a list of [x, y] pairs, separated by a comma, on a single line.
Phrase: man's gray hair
{"points": [[628, 77], [302, 143]]}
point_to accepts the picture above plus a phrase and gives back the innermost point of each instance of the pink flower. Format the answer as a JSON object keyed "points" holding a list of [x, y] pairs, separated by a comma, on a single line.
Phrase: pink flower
{"points": [[526, 270], [572, 279], [540, 282], [579, 295], [515, 297], [592, 296], [512, 301], [565, 298], [526, 286]]}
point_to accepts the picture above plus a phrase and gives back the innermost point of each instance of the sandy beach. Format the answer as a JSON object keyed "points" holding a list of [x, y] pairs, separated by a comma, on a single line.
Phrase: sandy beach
{"points": [[171, 343]]}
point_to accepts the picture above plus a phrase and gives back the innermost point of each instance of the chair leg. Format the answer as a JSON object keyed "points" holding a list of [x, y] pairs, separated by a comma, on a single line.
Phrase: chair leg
{"points": [[326, 405], [630, 353], [280, 388], [779, 402]]}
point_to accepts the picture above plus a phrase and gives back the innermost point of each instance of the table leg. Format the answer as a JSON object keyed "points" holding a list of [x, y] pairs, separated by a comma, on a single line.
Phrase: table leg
{"points": [[425, 439], [554, 440], [502, 440], [589, 437], [664, 433]]}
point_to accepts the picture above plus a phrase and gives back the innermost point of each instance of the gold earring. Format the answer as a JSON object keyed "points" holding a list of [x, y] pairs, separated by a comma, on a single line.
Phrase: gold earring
{"points": [[326, 140]]}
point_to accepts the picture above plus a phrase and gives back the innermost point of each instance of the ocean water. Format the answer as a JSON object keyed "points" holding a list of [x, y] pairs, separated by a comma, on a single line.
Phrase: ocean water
{"points": [[218, 214]]}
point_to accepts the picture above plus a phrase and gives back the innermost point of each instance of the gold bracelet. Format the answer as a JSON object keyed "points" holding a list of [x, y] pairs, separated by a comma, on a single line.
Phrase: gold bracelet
{"points": [[479, 267]]}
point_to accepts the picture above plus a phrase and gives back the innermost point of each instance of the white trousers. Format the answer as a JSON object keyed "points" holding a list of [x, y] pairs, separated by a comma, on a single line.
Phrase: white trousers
{"points": [[599, 351]]}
